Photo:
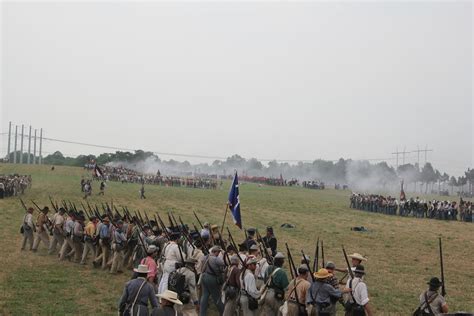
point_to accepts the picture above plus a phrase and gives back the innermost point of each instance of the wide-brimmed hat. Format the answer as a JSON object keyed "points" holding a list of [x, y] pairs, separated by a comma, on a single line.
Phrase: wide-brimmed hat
{"points": [[45, 209], [322, 274], [170, 296], [253, 247], [357, 256], [214, 226], [142, 268], [435, 282], [279, 255]]}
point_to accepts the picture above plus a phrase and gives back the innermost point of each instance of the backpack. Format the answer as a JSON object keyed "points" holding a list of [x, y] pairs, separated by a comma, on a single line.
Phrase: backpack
{"points": [[177, 283]]}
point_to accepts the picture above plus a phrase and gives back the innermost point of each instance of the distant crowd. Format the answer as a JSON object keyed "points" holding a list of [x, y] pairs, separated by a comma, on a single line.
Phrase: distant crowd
{"points": [[270, 181], [318, 185], [442, 210], [124, 175], [14, 185]]}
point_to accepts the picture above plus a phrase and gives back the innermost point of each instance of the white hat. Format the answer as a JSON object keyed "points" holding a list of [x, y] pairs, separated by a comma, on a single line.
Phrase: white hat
{"points": [[357, 256], [142, 268], [170, 296]]}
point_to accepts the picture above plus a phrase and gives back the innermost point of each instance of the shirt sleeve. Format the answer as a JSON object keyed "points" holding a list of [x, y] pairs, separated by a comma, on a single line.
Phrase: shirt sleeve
{"points": [[250, 285]]}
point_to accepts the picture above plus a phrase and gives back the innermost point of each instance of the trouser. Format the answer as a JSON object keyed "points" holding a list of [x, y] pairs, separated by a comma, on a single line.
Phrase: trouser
{"points": [[117, 261], [128, 255], [271, 305], [78, 246], [187, 309], [67, 249], [41, 236], [88, 247], [104, 256], [210, 287], [58, 239], [244, 305], [329, 310], [28, 237], [230, 307]]}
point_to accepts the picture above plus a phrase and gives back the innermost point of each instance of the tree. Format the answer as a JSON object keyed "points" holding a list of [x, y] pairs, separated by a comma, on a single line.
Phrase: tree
{"points": [[428, 175], [453, 183]]}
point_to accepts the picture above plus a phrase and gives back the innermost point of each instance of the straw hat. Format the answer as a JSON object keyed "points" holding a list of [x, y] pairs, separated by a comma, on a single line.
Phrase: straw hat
{"points": [[170, 296], [322, 274], [142, 268], [357, 256]]}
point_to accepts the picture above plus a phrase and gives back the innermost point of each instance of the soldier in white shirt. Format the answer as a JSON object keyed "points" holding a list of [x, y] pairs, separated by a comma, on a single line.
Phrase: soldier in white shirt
{"points": [[58, 236], [359, 295], [28, 227], [171, 256], [248, 287]]}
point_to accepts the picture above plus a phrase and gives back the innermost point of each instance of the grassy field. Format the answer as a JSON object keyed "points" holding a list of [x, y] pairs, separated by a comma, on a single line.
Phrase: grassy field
{"points": [[402, 252]]}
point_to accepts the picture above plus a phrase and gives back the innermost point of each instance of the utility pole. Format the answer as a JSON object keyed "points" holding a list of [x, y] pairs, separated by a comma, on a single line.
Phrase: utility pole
{"points": [[34, 149], [426, 150], [41, 145], [16, 137], [21, 142], [9, 139], [29, 147], [401, 153]]}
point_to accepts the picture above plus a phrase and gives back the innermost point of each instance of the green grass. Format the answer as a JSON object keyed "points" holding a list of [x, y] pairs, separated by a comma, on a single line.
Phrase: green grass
{"points": [[402, 252]]}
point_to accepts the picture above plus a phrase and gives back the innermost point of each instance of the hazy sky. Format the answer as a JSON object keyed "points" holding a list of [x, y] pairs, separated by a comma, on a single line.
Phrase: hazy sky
{"points": [[261, 79]]}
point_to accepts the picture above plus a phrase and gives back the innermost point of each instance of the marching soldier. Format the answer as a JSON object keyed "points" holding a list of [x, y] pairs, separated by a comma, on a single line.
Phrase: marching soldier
{"points": [[250, 238], [105, 232], [77, 237], [142, 192], [90, 236], [277, 281], [102, 188], [210, 280], [170, 256], [67, 249], [321, 295], [136, 294], [41, 230], [58, 234], [431, 302], [190, 305], [249, 294], [232, 287], [119, 243], [28, 228]]}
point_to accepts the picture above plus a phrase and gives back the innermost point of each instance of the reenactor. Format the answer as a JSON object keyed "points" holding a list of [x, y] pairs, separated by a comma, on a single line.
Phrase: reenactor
{"points": [[58, 233], [168, 300], [431, 302], [67, 249], [270, 240], [249, 294], [297, 291], [232, 287], [212, 280], [41, 229], [277, 282], [105, 233], [90, 236], [359, 297], [136, 295], [118, 246], [189, 297], [77, 237], [28, 229]]}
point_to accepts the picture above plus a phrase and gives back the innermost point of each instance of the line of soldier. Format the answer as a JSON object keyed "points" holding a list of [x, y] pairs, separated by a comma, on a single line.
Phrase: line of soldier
{"points": [[14, 185], [441, 210], [187, 268]]}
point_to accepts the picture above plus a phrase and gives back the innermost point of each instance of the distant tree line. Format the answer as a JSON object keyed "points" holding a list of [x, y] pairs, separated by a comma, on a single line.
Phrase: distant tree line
{"points": [[420, 178]]}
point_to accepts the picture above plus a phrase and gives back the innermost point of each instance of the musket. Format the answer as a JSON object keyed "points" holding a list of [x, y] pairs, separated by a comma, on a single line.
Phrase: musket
{"points": [[294, 272], [265, 248], [316, 256], [147, 219], [163, 226], [347, 262], [233, 242], [198, 220], [322, 254], [170, 220], [52, 203], [443, 289], [24, 205], [306, 261]]}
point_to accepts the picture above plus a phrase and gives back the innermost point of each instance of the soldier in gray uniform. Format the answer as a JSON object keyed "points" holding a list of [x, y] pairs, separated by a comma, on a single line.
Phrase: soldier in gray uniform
{"points": [[136, 294], [431, 302]]}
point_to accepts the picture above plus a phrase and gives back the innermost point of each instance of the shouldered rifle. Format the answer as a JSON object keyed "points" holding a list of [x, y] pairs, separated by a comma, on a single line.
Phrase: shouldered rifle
{"points": [[204, 246], [322, 254], [55, 208], [349, 269], [238, 255], [294, 272], [443, 289], [49, 224], [306, 261], [316, 256], [265, 248], [195, 215], [23, 204]]}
